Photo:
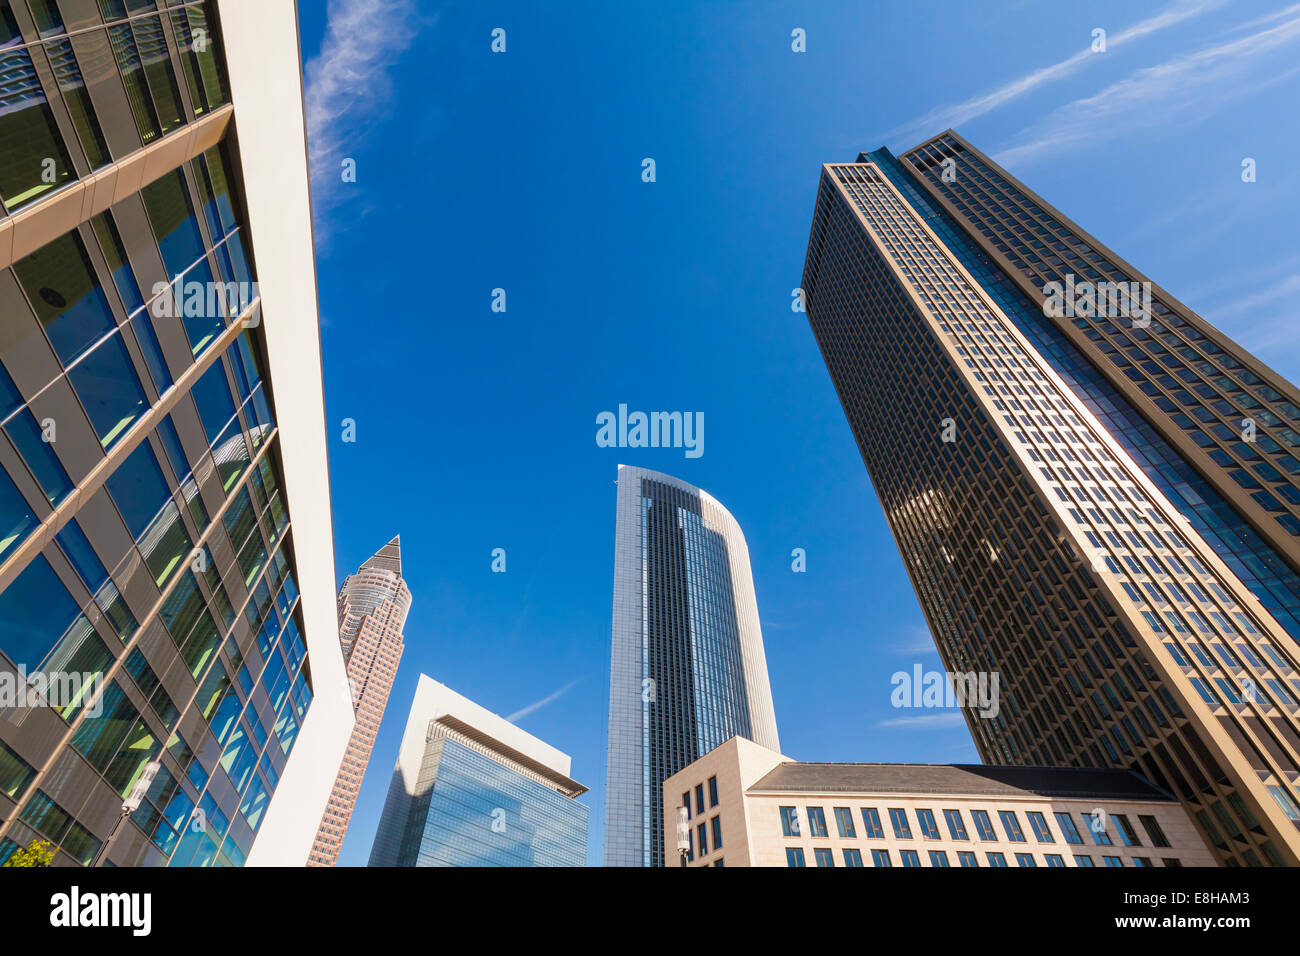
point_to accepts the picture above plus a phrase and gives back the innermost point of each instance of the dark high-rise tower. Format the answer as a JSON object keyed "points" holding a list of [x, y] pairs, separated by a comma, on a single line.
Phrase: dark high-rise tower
{"points": [[688, 671], [1091, 488]]}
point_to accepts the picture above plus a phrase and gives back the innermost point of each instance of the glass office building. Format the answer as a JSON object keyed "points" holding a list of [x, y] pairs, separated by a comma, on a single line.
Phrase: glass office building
{"points": [[160, 403], [472, 789], [687, 670], [373, 604], [1095, 502]]}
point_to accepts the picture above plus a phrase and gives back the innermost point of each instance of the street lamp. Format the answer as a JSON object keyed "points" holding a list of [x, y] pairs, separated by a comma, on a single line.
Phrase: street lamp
{"points": [[683, 833], [129, 806]]}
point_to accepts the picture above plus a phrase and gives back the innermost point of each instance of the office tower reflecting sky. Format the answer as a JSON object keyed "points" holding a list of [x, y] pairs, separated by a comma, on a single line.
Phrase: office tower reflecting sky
{"points": [[373, 604], [472, 789], [1136, 596], [688, 670], [165, 532]]}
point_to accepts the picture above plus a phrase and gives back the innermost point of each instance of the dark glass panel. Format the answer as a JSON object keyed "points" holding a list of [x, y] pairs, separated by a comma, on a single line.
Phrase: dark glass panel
{"points": [[61, 286], [109, 388]]}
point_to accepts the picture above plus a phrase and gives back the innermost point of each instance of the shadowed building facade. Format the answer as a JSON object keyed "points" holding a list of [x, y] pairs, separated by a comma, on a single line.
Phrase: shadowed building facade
{"points": [[1076, 497], [373, 604], [688, 669], [166, 562]]}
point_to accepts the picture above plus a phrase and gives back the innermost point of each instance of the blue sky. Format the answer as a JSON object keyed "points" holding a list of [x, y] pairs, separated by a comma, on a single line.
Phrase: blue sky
{"points": [[521, 170]]}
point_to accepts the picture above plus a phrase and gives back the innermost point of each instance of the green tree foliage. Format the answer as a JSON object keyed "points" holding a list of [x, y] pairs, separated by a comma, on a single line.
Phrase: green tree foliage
{"points": [[38, 853]]}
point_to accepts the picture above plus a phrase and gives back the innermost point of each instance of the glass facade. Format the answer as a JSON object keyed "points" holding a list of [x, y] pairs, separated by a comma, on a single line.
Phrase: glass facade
{"points": [[473, 810], [472, 789], [1255, 561], [1054, 537], [163, 602], [688, 670], [80, 95]]}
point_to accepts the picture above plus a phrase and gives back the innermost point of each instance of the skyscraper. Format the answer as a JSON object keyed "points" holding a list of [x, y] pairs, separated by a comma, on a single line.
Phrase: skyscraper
{"points": [[472, 789], [1090, 487], [687, 670], [161, 595], [373, 604]]}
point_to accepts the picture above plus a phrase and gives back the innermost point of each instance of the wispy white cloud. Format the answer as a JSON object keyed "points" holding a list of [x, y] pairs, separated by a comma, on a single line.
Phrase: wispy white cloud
{"points": [[1190, 85], [1273, 17], [954, 115], [347, 84], [917, 640], [538, 704], [1266, 321], [942, 721]]}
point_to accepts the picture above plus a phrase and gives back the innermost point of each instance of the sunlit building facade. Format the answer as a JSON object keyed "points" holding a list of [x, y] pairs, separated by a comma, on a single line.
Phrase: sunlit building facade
{"points": [[745, 805], [1093, 499], [373, 604], [688, 670], [162, 418], [472, 789]]}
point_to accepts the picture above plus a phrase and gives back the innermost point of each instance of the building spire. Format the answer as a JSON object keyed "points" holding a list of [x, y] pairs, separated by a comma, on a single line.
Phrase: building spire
{"points": [[388, 558]]}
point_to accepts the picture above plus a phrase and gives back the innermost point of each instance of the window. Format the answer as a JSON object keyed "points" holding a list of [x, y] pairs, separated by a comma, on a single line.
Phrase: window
{"points": [[16, 516], [703, 838], [844, 822], [789, 821], [880, 858], [1068, 829], [1097, 827], [39, 456], [51, 820], [167, 201], [823, 856], [64, 292], [713, 791], [1011, 825], [15, 774], [983, 825], [716, 825], [1038, 823], [794, 856], [108, 387], [28, 133], [1082, 859], [898, 820], [686, 802], [1112, 861], [910, 857], [1055, 859], [967, 858], [1025, 859], [929, 828], [956, 828], [216, 408], [1171, 861], [852, 858], [871, 828], [938, 858], [1154, 832], [1142, 861], [816, 822], [1126, 832], [202, 71], [718, 862], [996, 859], [138, 489]]}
